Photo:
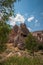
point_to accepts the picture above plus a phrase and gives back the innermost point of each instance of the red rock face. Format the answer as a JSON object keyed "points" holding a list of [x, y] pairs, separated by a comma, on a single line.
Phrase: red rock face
{"points": [[39, 35]]}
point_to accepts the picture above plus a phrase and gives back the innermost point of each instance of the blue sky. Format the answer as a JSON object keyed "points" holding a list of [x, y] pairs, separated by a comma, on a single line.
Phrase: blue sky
{"points": [[31, 13]]}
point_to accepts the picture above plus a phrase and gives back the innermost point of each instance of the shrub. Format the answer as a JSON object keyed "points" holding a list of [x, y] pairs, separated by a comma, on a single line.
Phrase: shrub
{"points": [[40, 46], [31, 43]]}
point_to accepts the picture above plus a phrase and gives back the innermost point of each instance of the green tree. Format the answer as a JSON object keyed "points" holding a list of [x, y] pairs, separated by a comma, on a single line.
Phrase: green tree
{"points": [[31, 43], [6, 10]]}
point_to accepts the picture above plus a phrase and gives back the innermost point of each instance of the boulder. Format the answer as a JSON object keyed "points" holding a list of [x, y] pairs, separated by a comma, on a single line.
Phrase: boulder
{"points": [[21, 46]]}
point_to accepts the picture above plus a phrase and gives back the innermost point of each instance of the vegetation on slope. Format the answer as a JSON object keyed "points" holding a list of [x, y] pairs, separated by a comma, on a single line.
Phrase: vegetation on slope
{"points": [[15, 60]]}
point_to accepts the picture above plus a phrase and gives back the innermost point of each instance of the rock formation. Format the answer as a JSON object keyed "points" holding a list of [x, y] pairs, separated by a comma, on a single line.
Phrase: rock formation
{"points": [[18, 35], [22, 34]]}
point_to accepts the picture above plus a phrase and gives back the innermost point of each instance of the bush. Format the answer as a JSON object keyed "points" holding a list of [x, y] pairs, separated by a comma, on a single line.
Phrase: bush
{"points": [[4, 32], [31, 43], [2, 48], [40, 46]]}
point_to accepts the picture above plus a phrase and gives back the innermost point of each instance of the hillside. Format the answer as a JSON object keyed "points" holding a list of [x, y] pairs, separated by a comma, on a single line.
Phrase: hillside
{"points": [[15, 48]]}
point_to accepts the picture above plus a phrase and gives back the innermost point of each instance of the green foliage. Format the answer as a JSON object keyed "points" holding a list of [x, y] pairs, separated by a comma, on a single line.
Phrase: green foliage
{"points": [[4, 32], [6, 6], [2, 48], [31, 43], [6, 10], [22, 61], [40, 46]]}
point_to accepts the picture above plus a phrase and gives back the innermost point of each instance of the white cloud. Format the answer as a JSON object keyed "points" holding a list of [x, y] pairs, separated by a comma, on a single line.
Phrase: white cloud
{"points": [[30, 18], [29, 29], [12, 22], [37, 24], [17, 18], [36, 21]]}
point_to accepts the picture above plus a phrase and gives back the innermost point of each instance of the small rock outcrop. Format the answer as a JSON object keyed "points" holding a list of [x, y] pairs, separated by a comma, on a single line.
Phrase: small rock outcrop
{"points": [[38, 35]]}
